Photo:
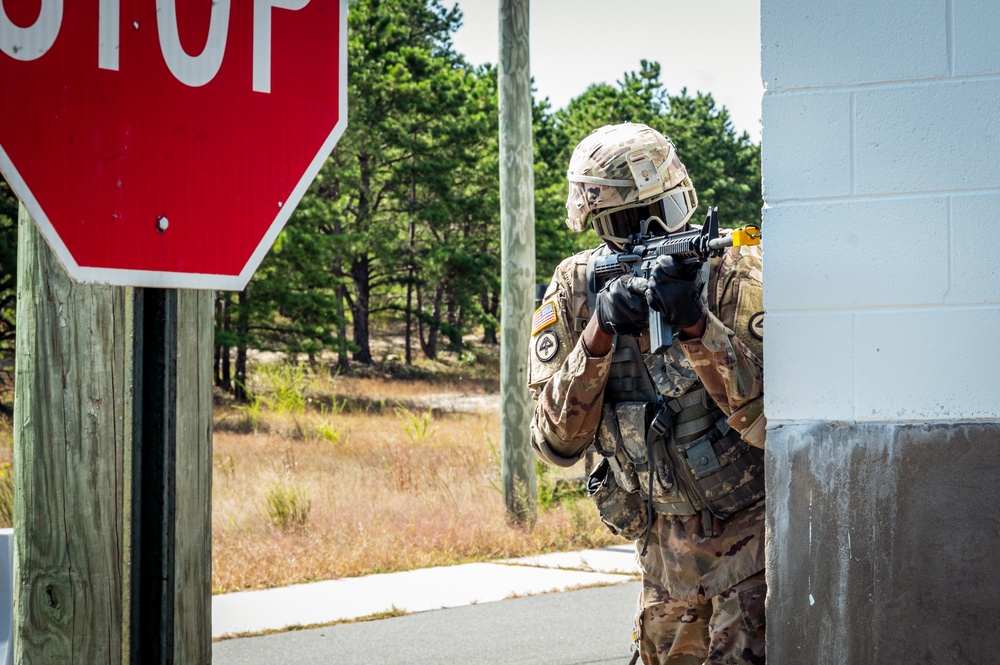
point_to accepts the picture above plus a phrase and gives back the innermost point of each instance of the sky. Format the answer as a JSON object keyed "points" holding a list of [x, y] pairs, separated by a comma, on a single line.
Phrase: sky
{"points": [[707, 45]]}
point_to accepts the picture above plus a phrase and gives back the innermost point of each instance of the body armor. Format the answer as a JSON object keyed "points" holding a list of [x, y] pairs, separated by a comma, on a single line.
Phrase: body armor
{"points": [[664, 439]]}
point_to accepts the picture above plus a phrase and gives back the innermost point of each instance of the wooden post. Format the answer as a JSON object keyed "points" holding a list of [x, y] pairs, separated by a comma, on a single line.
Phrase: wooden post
{"points": [[72, 430], [73, 463], [517, 240], [193, 544]]}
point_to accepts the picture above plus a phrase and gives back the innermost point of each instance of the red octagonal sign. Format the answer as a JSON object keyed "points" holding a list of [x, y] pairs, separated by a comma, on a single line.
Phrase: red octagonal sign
{"points": [[166, 142]]}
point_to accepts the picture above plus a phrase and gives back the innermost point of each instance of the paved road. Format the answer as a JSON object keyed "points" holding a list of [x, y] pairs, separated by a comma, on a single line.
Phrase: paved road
{"points": [[584, 627]]}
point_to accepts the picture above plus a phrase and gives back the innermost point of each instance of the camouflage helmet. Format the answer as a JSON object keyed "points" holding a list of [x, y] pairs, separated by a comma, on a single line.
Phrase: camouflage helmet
{"points": [[617, 171]]}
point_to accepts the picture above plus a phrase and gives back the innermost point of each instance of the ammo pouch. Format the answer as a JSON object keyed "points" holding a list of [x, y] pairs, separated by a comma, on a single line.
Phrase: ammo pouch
{"points": [[697, 463], [622, 439], [726, 471], [623, 512]]}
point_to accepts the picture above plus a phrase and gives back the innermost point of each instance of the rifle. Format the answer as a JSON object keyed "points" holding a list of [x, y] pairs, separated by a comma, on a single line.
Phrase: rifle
{"points": [[688, 247]]}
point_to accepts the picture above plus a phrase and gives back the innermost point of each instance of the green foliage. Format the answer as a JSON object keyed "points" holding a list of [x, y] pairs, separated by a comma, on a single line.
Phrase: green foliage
{"points": [[400, 231], [6, 496], [285, 386], [325, 426], [328, 431], [287, 504], [554, 491], [253, 411], [400, 211], [8, 272], [416, 425], [724, 166]]}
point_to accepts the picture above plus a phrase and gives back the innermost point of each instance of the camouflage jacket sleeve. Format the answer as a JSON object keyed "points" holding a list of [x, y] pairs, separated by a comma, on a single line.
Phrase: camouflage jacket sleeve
{"points": [[568, 385], [729, 355]]}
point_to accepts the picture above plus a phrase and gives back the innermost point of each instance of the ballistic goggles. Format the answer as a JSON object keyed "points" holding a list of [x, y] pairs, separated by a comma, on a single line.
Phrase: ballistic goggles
{"points": [[668, 212]]}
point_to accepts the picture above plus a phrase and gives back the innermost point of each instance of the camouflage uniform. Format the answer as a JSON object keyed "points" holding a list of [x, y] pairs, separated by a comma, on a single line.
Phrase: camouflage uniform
{"points": [[703, 596]]}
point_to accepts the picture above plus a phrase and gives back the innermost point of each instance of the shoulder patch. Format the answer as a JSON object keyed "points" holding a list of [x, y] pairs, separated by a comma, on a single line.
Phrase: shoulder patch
{"points": [[749, 316], [544, 317], [546, 346], [756, 325]]}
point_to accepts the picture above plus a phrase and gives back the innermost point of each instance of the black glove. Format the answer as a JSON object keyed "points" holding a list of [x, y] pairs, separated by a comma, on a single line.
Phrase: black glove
{"points": [[621, 306], [675, 292]]}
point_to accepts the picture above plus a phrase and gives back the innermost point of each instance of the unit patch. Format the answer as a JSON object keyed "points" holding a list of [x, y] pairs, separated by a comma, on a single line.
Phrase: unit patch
{"points": [[546, 346], [756, 325], [544, 317]]}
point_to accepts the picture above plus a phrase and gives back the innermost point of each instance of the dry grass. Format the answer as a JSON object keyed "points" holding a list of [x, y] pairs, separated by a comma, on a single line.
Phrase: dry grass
{"points": [[6, 472], [344, 476], [381, 499]]}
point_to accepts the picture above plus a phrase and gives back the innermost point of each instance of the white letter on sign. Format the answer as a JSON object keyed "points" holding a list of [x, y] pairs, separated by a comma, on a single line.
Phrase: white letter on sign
{"points": [[262, 39], [196, 70], [33, 42], [107, 36]]}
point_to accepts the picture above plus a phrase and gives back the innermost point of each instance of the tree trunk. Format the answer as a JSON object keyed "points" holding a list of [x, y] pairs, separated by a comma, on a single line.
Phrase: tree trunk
{"points": [[227, 325], [338, 271], [429, 346], [409, 290], [360, 272], [409, 320], [217, 366], [491, 303], [454, 324], [342, 365], [220, 308], [242, 332], [361, 266]]}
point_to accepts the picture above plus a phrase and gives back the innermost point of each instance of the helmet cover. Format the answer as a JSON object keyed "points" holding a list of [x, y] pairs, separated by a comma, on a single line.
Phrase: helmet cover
{"points": [[626, 166]]}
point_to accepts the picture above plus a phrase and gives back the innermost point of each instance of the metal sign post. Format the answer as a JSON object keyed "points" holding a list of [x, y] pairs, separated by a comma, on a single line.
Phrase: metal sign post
{"points": [[154, 462]]}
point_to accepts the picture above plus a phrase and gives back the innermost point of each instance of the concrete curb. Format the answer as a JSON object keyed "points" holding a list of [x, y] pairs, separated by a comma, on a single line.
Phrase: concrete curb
{"points": [[418, 590]]}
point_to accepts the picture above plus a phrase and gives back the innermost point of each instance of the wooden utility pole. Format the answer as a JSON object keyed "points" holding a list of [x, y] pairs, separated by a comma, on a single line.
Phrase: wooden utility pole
{"points": [[80, 472], [517, 240]]}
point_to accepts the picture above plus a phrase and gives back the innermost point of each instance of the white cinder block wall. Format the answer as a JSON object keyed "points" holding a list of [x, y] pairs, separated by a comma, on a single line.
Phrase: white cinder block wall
{"points": [[881, 162]]}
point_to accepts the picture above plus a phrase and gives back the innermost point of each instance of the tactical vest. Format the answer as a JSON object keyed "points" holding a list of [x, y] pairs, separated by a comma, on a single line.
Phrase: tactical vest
{"points": [[665, 439]]}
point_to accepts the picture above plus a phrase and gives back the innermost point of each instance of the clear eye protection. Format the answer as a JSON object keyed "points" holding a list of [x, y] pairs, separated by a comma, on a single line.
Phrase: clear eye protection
{"points": [[662, 214]]}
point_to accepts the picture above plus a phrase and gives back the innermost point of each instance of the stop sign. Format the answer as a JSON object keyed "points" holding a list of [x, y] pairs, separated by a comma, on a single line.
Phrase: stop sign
{"points": [[166, 142]]}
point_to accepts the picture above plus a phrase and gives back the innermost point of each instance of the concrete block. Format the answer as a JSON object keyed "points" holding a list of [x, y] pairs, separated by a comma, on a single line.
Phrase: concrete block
{"points": [[851, 254], [908, 366], [937, 137], [814, 43], [975, 262], [976, 24], [881, 545], [806, 151], [808, 366]]}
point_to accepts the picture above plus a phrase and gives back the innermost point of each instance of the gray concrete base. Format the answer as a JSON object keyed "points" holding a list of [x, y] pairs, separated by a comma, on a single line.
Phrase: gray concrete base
{"points": [[883, 543]]}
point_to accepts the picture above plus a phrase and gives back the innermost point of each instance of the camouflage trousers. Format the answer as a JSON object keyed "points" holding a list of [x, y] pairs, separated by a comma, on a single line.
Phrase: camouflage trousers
{"points": [[728, 628]]}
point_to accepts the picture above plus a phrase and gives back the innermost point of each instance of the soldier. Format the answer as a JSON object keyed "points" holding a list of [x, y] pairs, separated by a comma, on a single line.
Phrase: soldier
{"points": [[681, 433]]}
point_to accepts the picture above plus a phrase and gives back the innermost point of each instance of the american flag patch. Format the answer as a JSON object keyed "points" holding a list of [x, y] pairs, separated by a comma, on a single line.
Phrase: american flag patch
{"points": [[544, 317]]}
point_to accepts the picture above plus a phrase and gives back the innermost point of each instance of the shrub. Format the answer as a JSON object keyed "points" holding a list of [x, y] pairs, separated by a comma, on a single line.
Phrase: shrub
{"points": [[288, 504]]}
